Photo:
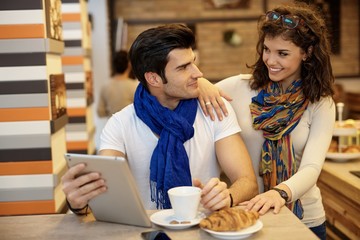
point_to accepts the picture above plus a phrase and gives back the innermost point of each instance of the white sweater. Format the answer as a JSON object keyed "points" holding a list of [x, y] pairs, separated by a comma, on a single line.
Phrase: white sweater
{"points": [[311, 139]]}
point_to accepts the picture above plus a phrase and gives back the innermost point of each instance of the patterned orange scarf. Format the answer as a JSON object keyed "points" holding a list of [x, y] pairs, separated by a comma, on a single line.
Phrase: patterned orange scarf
{"points": [[277, 114]]}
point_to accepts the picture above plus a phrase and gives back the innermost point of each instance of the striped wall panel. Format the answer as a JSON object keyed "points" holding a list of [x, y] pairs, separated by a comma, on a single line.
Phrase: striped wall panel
{"points": [[75, 86], [72, 60], [22, 31], [72, 43], [34, 192], [74, 77], [31, 45], [74, 69], [72, 34], [78, 141], [35, 207], [76, 103], [32, 107], [70, 1], [36, 100], [24, 114], [27, 207], [24, 128], [22, 168], [37, 106], [26, 187], [40, 144], [77, 119], [71, 17], [55, 205], [80, 131], [24, 141], [21, 16], [28, 73], [72, 25], [29, 167], [76, 112], [73, 51], [21, 5], [73, 7], [75, 61], [22, 59], [40, 19], [31, 86], [25, 154]]}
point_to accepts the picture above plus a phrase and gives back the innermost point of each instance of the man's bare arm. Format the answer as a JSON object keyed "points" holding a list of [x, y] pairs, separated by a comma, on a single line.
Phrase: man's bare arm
{"points": [[237, 165]]}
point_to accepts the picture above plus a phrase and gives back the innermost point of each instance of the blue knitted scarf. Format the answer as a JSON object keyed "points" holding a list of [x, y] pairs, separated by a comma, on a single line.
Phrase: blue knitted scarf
{"points": [[169, 165]]}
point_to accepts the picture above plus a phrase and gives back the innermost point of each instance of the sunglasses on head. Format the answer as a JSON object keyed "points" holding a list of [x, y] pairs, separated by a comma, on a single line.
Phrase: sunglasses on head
{"points": [[288, 21]]}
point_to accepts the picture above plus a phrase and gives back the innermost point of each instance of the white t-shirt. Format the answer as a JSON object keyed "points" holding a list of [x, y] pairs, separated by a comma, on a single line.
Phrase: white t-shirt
{"points": [[311, 139], [126, 133]]}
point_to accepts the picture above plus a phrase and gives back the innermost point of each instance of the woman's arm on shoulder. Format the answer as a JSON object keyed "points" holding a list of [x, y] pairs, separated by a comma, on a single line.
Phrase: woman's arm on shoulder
{"points": [[210, 99]]}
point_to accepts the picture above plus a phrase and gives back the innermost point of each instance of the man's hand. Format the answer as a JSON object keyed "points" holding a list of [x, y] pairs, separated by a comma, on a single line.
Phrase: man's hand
{"points": [[215, 194], [79, 190]]}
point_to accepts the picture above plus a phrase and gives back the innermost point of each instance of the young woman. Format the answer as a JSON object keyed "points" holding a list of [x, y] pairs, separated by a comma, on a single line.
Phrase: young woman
{"points": [[286, 111]]}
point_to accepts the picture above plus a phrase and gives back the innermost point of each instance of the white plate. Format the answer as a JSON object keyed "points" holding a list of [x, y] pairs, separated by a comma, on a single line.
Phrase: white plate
{"points": [[244, 233], [164, 217], [342, 157]]}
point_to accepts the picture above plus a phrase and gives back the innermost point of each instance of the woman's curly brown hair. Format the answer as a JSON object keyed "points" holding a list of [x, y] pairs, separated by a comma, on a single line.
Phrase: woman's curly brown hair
{"points": [[312, 38]]}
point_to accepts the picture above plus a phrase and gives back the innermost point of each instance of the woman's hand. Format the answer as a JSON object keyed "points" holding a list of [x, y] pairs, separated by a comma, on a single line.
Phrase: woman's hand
{"points": [[264, 201], [210, 98]]}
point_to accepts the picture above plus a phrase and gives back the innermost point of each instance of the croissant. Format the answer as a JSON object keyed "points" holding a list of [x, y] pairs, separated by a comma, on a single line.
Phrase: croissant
{"points": [[230, 219]]}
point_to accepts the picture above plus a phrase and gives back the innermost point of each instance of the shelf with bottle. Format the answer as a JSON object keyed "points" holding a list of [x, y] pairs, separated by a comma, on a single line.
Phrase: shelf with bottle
{"points": [[345, 144]]}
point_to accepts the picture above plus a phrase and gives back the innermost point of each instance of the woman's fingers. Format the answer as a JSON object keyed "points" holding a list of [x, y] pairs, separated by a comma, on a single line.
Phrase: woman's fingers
{"points": [[203, 106]]}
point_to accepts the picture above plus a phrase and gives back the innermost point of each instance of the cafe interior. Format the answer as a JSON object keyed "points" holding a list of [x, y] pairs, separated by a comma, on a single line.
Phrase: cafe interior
{"points": [[54, 58]]}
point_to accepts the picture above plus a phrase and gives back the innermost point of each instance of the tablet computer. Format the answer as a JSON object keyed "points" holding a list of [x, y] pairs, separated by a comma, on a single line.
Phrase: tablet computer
{"points": [[121, 203]]}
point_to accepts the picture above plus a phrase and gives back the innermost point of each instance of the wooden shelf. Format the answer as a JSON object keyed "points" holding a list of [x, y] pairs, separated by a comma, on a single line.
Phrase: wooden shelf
{"points": [[340, 192]]}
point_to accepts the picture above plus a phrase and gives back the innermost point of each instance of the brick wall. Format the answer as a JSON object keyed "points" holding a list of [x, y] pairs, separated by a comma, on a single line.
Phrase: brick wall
{"points": [[217, 59]]}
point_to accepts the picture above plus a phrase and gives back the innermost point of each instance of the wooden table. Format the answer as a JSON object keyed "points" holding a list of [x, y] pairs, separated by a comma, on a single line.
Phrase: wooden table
{"points": [[340, 191], [284, 225]]}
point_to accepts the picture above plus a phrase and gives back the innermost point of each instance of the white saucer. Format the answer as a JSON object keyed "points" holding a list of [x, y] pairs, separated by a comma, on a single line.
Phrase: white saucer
{"points": [[342, 157], [164, 217], [244, 233]]}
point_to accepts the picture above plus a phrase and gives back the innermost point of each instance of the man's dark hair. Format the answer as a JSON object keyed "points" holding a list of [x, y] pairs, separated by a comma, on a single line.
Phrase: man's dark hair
{"points": [[149, 52]]}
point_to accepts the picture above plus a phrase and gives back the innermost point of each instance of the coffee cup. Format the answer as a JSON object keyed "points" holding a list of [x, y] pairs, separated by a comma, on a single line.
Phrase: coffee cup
{"points": [[185, 202]]}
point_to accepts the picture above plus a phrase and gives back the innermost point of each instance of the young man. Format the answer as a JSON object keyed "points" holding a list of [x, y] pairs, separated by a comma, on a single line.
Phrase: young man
{"points": [[165, 136]]}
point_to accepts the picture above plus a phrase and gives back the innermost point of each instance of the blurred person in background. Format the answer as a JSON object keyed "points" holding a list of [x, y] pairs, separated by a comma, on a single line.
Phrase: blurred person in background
{"points": [[119, 91]]}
